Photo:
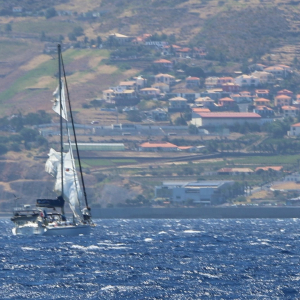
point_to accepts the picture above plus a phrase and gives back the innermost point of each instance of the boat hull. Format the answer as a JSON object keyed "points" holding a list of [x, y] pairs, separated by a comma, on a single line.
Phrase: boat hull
{"points": [[68, 230], [45, 230]]}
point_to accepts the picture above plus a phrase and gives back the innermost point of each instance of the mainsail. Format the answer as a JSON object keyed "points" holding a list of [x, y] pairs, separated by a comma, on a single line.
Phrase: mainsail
{"points": [[71, 189], [56, 104]]}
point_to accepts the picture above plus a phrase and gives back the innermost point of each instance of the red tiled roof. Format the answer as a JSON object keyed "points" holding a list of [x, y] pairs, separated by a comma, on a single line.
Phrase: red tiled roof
{"points": [[158, 144], [286, 107], [229, 115], [193, 78], [262, 100], [296, 125], [196, 110], [285, 91], [226, 99], [185, 147], [262, 91], [162, 61], [283, 97]]}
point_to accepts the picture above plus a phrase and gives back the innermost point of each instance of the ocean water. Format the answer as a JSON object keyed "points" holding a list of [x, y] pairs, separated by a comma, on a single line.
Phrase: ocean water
{"points": [[156, 259]]}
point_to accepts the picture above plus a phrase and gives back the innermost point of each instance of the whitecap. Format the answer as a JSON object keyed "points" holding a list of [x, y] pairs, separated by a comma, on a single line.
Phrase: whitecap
{"points": [[162, 232], [192, 231], [28, 248], [148, 240]]}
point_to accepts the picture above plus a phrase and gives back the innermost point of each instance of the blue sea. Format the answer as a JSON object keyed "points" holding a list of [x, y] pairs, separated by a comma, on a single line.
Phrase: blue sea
{"points": [[156, 259]]}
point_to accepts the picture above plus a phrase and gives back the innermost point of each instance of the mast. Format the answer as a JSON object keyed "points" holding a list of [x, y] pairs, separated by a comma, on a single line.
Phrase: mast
{"points": [[61, 128], [75, 138]]}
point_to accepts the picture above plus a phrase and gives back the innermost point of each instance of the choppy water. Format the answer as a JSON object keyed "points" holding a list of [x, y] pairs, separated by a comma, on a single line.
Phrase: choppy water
{"points": [[156, 259]]}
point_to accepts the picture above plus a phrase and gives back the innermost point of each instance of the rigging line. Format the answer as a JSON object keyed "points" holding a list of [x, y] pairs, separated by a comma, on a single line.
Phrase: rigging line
{"points": [[72, 121], [61, 129]]}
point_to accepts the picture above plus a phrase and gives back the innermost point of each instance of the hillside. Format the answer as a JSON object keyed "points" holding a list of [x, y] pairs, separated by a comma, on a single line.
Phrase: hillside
{"points": [[231, 31]]}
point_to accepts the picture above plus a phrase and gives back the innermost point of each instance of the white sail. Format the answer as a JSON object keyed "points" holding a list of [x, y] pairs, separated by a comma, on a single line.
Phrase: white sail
{"points": [[71, 189], [56, 106]]}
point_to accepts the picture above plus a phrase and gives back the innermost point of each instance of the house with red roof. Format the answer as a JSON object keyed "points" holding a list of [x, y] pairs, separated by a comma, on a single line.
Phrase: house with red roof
{"points": [[226, 102], [286, 93], [262, 93], [264, 111], [290, 111], [276, 71], [203, 119], [158, 146], [230, 87], [261, 102], [223, 80], [192, 82], [163, 63], [164, 78], [282, 100], [294, 130]]}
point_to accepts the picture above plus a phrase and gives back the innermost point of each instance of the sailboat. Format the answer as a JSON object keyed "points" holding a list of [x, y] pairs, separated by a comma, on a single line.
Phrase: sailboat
{"points": [[61, 165]]}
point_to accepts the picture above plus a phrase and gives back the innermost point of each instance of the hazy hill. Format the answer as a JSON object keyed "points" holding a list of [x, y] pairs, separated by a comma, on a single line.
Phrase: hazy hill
{"points": [[234, 30]]}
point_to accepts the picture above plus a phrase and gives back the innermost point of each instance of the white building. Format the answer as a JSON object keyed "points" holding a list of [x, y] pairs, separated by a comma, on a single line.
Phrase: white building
{"points": [[247, 80], [204, 192], [295, 130], [224, 118]]}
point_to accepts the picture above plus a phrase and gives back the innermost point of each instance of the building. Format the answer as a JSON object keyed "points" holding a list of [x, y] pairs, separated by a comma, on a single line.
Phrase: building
{"points": [[204, 102], [290, 111], [295, 130], [158, 146], [96, 146], [286, 93], [282, 100], [108, 95], [127, 85], [226, 102], [163, 87], [149, 91], [211, 82], [264, 77], [231, 87], [262, 102], [262, 93], [204, 192], [177, 104], [235, 171], [120, 38], [276, 71], [164, 78], [223, 80], [224, 118], [264, 111], [247, 80], [163, 63], [192, 82]]}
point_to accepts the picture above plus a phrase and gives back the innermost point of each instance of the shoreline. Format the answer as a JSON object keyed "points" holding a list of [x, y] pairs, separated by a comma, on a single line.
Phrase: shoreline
{"points": [[191, 213], [197, 213]]}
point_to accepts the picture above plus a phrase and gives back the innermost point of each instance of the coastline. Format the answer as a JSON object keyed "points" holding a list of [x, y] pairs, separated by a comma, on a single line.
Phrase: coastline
{"points": [[197, 213], [192, 213]]}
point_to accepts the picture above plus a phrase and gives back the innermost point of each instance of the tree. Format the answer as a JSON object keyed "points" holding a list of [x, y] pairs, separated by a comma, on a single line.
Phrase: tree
{"points": [[50, 13], [99, 41], [29, 135], [8, 28], [78, 31], [72, 37], [192, 129]]}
